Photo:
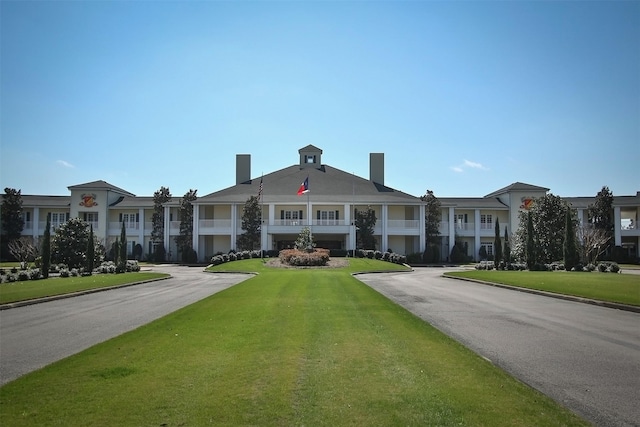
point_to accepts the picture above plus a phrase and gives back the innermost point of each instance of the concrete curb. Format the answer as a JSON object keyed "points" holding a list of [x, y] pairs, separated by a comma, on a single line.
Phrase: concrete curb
{"points": [[17, 304], [618, 306]]}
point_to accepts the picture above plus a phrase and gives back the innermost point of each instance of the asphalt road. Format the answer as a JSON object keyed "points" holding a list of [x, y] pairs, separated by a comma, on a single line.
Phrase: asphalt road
{"points": [[34, 336], [583, 356]]}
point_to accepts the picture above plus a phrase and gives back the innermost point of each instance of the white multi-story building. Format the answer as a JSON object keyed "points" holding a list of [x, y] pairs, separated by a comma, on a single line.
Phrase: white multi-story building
{"points": [[328, 209]]}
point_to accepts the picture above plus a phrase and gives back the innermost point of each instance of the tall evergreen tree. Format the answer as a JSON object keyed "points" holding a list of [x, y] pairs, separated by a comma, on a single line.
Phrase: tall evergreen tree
{"points": [[122, 256], [184, 241], [251, 224], [531, 245], [570, 248], [601, 213], [507, 247], [91, 251], [497, 245], [12, 221], [432, 217], [365, 226], [160, 197], [46, 249]]}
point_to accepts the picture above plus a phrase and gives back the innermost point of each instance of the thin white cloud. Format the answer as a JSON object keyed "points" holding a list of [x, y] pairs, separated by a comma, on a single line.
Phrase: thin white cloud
{"points": [[474, 165], [65, 164], [468, 164]]}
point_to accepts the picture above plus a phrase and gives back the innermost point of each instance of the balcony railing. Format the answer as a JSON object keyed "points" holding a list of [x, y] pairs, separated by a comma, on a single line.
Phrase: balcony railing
{"points": [[127, 226], [214, 223], [404, 223]]}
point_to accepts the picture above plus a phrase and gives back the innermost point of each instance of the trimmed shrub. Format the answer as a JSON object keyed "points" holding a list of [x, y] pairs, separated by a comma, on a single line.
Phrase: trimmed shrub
{"points": [[298, 258]]}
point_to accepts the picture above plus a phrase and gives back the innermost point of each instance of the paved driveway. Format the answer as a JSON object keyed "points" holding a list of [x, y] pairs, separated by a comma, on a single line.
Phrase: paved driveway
{"points": [[584, 356], [34, 336]]}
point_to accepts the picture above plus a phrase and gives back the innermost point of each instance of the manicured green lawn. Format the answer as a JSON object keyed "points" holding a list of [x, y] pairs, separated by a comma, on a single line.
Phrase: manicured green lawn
{"points": [[622, 288], [30, 289], [286, 347]]}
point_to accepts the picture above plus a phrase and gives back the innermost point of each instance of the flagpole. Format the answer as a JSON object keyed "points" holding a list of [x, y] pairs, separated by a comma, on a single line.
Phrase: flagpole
{"points": [[261, 213]]}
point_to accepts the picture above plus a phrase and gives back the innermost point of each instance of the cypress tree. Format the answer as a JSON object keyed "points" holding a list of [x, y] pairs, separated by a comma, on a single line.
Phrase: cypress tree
{"points": [[122, 258], [507, 247], [531, 246], [570, 250], [497, 245], [46, 249], [91, 251]]}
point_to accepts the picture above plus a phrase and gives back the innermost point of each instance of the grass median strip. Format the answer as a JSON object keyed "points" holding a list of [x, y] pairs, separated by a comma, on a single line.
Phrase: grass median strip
{"points": [[26, 290], [620, 288], [286, 347]]}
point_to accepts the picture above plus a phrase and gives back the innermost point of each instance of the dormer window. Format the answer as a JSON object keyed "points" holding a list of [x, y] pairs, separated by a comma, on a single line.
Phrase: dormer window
{"points": [[310, 157]]}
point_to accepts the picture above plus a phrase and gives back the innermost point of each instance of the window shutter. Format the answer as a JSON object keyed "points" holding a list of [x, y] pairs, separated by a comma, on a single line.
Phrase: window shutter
{"points": [[301, 215], [119, 217], [281, 214], [137, 217], [318, 215], [67, 216], [84, 216], [465, 218], [337, 215]]}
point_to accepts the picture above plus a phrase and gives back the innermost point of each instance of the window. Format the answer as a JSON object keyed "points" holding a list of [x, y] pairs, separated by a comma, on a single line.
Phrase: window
{"points": [[487, 247], [129, 219], [91, 218], [486, 222], [310, 159], [57, 219], [292, 217], [460, 221], [327, 217], [26, 218]]}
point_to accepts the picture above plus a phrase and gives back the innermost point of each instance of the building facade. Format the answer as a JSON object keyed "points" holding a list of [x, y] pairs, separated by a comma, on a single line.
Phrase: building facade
{"points": [[328, 209]]}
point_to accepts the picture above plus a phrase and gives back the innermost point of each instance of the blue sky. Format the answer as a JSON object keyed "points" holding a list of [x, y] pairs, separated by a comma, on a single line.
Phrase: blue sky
{"points": [[462, 97]]}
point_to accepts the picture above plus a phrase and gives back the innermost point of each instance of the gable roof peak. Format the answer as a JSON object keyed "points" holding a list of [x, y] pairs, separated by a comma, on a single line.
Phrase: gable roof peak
{"points": [[517, 186]]}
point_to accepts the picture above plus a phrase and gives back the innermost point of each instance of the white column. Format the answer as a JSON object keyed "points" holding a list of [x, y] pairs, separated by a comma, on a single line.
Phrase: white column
{"points": [[476, 235], [140, 228], [167, 227], [452, 231], [35, 223], [234, 226], [384, 244], [423, 230], [580, 222], [196, 229], [264, 229], [616, 226]]}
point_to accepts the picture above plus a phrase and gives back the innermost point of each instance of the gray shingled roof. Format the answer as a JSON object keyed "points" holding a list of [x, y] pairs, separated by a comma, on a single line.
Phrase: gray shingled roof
{"points": [[326, 184], [517, 186], [36, 201], [472, 203], [99, 185]]}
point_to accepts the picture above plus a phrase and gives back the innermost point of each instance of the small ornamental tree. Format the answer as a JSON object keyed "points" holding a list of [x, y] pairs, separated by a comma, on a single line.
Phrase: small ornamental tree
{"points": [[23, 250], [497, 245], [91, 251], [305, 240], [46, 249]]}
